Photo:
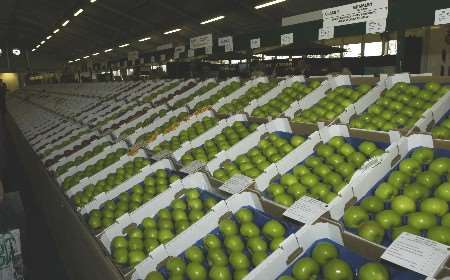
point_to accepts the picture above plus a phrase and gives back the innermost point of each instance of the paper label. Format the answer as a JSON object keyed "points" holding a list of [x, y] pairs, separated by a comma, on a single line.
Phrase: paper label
{"points": [[355, 12], [371, 163], [306, 210], [236, 184], [442, 16], [209, 50], [375, 26], [229, 48], [326, 33], [162, 154], [255, 43], [224, 41], [287, 39], [417, 253], [200, 42], [193, 167]]}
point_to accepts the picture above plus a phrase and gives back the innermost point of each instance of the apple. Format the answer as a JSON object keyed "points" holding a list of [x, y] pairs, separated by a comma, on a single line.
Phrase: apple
{"points": [[373, 271], [337, 269], [211, 241], [440, 234], [194, 254], [355, 216], [323, 252], [120, 256], [410, 166], [443, 192], [416, 191], [219, 273], [428, 179], [249, 230], [372, 204], [234, 243], [440, 166], [435, 206], [398, 178], [423, 155], [244, 215], [196, 271], [258, 257], [154, 275], [386, 191], [273, 229], [402, 204], [372, 231], [396, 231], [445, 221], [305, 269], [367, 148], [257, 244], [422, 220], [175, 266], [239, 260], [135, 257], [228, 227], [240, 274], [275, 243]]}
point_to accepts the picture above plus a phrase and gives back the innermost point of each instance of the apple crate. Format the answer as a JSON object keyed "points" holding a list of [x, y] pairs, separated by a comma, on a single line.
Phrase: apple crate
{"points": [[59, 140], [211, 92], [53, 136], [104, 173], [381, 171], [92, 160], [123, 119], [189, 92], [209, 224], [211, 133], [131, 139], [428, 117], [353, 251], [145, 88], [117, 132], [171, 91], [166, 87], [287, 82], [308, 148], [181, 127], [128, 184], [102, 112], [437, 124]]}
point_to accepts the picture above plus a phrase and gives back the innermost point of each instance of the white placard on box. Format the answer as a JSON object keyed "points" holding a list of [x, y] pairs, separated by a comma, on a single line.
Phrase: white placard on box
{"points": [[224, 41], [287, 39], [191, 53], [229, 48], [193, 167], [442, 16], [201, 42], [417, 253], [306, 210], [255, 43], [326, 32], [209, 50], [236, 184], [375, 26], [354, 13]]}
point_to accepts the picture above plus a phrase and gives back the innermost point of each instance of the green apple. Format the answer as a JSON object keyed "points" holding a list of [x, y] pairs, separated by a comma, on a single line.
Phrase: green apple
{"points": [[258, 257], [367, 148], [372, 231], [175, 266], [150, 244], [257, 244], [386, 191], [234, 243], [135, 257], [211, 241], [423, 155], [410, 166], [273, 229], [154, 275], [275, 243], [373, 271], [240, 274], [388, 219], [120, 256], [217, 256], [306, 269], [165, 235], [323, 252], [435, 206], [275, 189], [398, 179], [337, 269], [443, 192], [416, 191], [440, 166], [196, 271], [244, 215], [284, 200], [422, 220], [239, 260], [249, 230], [355, 216], [336, 141], [119, 242], [219, 273], [402, 204], [228, 227], [372, 204], [406, 228], [445, 221], [440, 234]]}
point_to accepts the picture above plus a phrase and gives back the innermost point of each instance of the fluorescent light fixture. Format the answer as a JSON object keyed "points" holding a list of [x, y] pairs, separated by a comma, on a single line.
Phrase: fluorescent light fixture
{"points": [[212, 20], [77, 59], [70, 61], [87, 56], [172, 31], [42, 42], [78, 12], [49, 37], [65, 23], [108, 50], [93, 1], [269, 4], [94, 54], [56, 31], [124, 45], [144, 39], [38, 46], [33, 50]]}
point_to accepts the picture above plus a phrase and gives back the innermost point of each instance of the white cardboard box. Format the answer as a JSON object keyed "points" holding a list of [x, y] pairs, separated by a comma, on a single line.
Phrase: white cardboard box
{"points": [[211, 92], [189, 92]]}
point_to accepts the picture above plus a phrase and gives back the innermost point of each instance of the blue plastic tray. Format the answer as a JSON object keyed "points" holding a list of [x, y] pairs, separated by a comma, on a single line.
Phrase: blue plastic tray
{"points": [[356, 261]]}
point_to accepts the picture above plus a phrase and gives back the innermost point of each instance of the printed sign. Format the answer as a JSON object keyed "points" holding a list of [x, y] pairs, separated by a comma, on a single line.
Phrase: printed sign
{"points": [[442, 16], [326, 33], [236, 184], [306, 210], [375, 26], [287, 39], [355, 12], [191, 53], [209, 50], [255, 43], [201, 42]]}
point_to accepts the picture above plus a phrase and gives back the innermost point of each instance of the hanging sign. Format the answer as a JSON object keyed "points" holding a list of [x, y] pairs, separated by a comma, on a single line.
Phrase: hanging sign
{"points": [[201, 42], [442, 16], [226, 42], [191, 53], [355, 12], [327, 32], [255, 43], [209, 50], [375, 26], [287, 39], [178, 50], [164, 47]]}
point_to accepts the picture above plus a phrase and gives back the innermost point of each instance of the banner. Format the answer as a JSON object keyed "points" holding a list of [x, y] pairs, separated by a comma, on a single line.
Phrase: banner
{"points": [[200, 42], [355, 13]]}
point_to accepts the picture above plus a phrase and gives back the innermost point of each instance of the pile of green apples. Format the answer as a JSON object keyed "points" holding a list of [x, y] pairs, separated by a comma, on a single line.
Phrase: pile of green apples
{"points": [[65, 143], [93, 169], [238, 104], [113, 116], [323, 174], [225, 91], [414, 198], [324, 263], [199, 92], [140, 240], [270, 149], [223, 141], [168, 126], [276, 106], [112, 180], [83, 158], [188, 134], [129, 201], [149, 98], [231, 253], [399, 107], [442, 131], [144, 123], [332, 105]]}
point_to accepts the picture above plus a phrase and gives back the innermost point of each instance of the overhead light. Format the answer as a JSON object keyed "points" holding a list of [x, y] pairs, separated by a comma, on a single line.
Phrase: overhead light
{"points": [[93, 1], [38, 46], [16, 52], [124, 45], [33, 50], [65, 23], [172, 31], [144, 39], [78, 12], [269, 4], [56, 31], [87, 56], [70, 61], [49, 37], [42, 42], [94, 54], [77, 59], [212, 19], [108, 50]]}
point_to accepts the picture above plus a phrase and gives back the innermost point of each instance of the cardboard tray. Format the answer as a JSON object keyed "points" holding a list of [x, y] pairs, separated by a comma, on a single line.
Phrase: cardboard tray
{"points": [[210, 93]]}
